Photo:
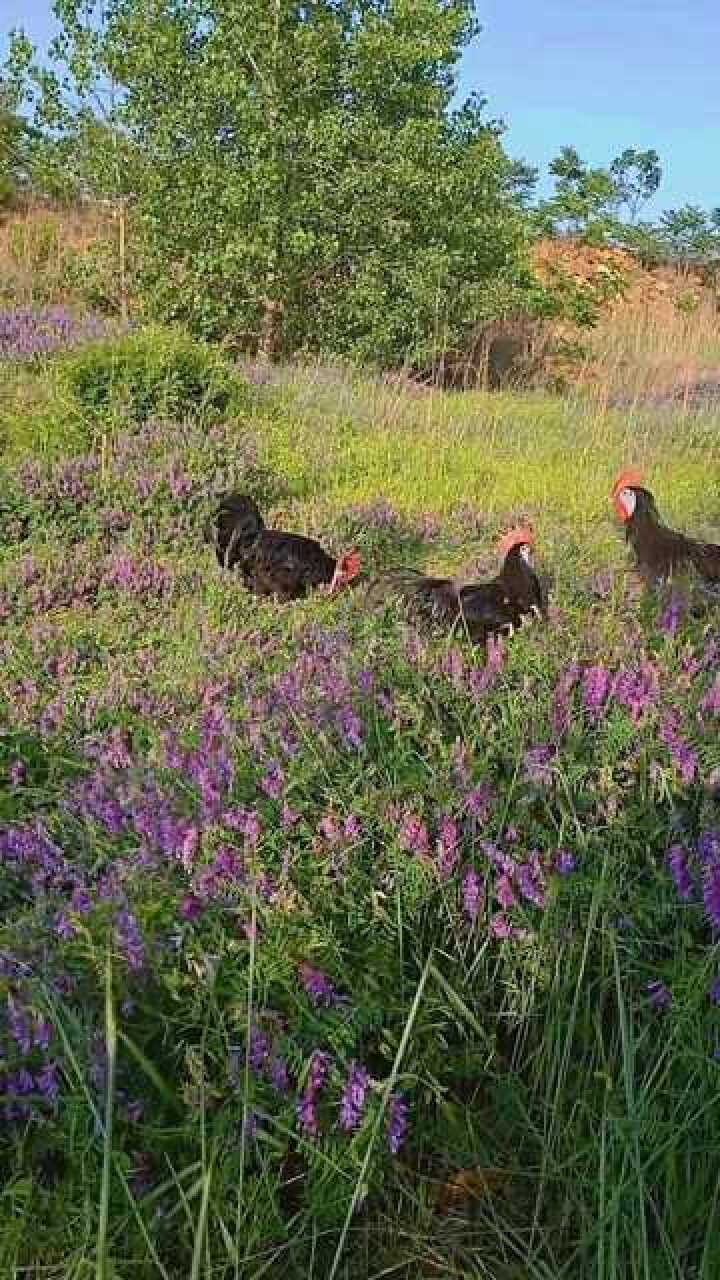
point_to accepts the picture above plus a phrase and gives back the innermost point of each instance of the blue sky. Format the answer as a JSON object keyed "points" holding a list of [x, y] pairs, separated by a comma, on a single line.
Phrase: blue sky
{"points": [[599, 74]]}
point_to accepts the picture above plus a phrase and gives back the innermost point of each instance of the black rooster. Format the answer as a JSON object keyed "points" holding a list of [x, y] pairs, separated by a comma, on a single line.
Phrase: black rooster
{"points": [[479, 609], [271, 562], [660, 553]]}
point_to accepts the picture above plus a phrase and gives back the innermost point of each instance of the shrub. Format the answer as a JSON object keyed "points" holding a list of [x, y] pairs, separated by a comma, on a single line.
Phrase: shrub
{"points": [[151, 372]]}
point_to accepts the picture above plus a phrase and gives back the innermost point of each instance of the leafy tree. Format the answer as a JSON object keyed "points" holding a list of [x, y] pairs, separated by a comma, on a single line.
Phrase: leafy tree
{"points": [[14, 146], [690, 234], [636, 176], [584, 199], [589, 202], [299, 177]]}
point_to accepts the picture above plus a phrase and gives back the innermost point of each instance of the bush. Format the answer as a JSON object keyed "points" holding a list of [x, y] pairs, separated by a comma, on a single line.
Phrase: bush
{"points": [[151, 373]]}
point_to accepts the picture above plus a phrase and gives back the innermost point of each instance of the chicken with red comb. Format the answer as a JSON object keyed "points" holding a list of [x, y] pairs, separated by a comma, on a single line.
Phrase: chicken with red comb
{"points": [[660, 552], [479, 609], [270, 561]]}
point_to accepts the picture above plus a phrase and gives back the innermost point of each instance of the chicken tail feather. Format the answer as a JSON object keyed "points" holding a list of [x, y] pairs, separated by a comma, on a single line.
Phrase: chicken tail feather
{"points": [[437, 596]]}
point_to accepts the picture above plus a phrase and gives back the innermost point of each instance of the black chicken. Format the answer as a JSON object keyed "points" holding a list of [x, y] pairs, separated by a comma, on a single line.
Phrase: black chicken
{"points": [[660, 553], [480, 609], [273, 563]]}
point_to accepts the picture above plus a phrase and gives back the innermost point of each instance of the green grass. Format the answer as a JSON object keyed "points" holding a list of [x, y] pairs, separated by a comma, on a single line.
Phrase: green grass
{"points": [[586, 1118]]}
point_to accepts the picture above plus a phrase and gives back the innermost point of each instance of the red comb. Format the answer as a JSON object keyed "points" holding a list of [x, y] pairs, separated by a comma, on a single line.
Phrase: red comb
{"points": [[630, 478], [520, 536], [350, 563]]}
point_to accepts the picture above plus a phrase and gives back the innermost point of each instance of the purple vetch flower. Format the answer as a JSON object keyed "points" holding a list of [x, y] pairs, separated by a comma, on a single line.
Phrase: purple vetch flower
{"points": [[318, 986], [413, 835], [477, 801], [530, 886], [565, 862], [353, 1097], [63, 928], [16, 773], [259, 1050], [504, 892], [47, 1083], [637, 688], [676, 859], [396, 1122], [538, 760], [711, 894], [42, 1034], [447, 847], [682, 755], [500, 927], [80, 901], [19, 1027], [306, 1109], [471, 894], [350, 728], [272, 781], [658, 994], [479, 681], [278, 1074], [672, 614], [595, 686], [190, 907], [710, 701], [560, 702], [129, 940], [708, 847], [245, 821], [714, 991]]}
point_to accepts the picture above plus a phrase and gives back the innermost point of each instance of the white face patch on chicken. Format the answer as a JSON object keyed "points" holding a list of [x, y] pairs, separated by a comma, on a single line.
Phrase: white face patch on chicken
{"points": [[628, 501], [526, 553]]}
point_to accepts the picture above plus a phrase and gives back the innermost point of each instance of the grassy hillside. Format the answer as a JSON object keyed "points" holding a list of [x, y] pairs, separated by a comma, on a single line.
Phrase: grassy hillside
{"points": [[328, 948]]}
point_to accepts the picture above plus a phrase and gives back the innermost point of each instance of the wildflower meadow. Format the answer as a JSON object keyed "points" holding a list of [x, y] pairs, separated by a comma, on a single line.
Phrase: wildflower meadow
{"points": [[330, 945]]}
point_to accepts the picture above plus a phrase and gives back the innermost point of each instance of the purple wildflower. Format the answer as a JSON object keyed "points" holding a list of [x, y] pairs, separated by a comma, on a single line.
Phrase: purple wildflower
{"points": [[353, 1097], [477, 802], [471, 894], [672, 614], [711, 894], [560, 703], [714, 991], [46, 1082], [63, 928], [500, 926], [504, 892], [595, 686], [413, 835], [272, 781], [710, 702], [42, 1034], [19, 1027], [658, 994], [318, 986], [683, 757], [16, 773], [129, 940], [190, 907], [676, 859], [447, 847], [538, 769], [258, 1050], [396, 1122], [565, 862], [530, 886], [306, 1109], [278, 1074]]}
